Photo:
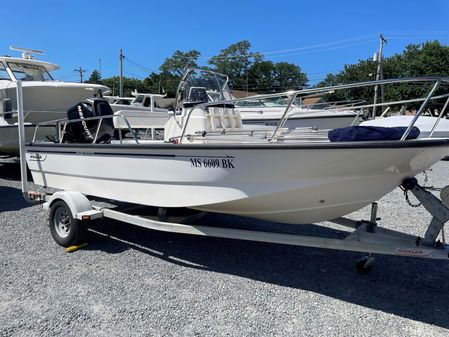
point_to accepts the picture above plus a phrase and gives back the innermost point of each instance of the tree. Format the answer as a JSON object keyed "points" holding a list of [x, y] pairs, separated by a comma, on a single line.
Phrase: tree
{"points": [[179, 62], [94, 77], [266, 76], [153, 83], [174, 67], [288, 76], [129, 85], [261, 76], [235, 62], [427, 59]]}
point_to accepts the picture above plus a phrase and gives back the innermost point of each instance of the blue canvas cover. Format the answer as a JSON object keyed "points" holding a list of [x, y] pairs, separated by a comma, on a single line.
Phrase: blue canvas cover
{"points": [[367, 133]]}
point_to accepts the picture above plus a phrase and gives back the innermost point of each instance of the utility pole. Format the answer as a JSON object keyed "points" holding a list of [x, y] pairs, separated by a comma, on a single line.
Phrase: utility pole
{"points": [[99, 61], [81, 71], [379, 76], [121, 74]]}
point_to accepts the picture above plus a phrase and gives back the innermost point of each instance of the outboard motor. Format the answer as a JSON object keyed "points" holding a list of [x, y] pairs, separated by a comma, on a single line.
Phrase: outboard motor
{"points": [[84, 131]]}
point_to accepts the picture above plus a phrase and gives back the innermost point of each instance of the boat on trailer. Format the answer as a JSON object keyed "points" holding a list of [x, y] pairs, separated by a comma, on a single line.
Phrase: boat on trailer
{"points": [[209, 161]]}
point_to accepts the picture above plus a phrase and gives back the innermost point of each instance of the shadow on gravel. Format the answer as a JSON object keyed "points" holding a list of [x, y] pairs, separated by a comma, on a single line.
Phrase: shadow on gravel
{"points": [[11, 171], [11, 199], [407, 287]]}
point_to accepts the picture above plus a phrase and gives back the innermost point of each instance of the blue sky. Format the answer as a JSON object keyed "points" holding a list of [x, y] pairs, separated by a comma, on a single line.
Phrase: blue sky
{"points": [[319, 36]]}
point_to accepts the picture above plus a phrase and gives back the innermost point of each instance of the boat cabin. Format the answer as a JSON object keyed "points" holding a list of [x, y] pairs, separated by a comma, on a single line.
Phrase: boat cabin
{"points": [[25, 68], [145, 100]]}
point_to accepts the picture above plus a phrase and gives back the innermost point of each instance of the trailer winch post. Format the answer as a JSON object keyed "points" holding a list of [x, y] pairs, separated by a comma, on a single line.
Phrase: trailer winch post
{"points": [[437, 208], [21, 127]]}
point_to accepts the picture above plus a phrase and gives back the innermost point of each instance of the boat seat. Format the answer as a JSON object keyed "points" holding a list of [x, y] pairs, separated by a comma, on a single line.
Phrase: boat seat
{"points": [[197, 95], [223, 118]]}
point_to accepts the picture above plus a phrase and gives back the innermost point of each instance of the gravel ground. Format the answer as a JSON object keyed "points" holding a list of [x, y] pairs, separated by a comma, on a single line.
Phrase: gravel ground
{"points": [[132, 281]]}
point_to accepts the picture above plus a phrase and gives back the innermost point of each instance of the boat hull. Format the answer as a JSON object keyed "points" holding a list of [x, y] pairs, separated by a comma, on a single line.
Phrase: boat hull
{"points": [[280, 182]]}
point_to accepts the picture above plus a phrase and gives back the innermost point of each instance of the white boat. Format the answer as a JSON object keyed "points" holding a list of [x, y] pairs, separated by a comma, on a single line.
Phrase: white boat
{"points": [[142, 113], [425, 124], [119, 100], [140, 102], [44, 98], [267, 112], [209, 161]]}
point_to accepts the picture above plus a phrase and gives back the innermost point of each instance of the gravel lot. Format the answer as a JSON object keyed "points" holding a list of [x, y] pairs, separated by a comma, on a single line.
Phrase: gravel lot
{"points": [[134, 282]]}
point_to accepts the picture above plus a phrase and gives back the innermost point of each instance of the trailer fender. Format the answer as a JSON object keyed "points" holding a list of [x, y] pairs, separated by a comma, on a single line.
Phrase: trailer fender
{"points": [[76, 201]]}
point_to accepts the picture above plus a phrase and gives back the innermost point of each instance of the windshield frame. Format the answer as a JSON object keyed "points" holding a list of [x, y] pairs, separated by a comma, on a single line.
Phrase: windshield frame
{"points": [[15, 68], [5, 69]]}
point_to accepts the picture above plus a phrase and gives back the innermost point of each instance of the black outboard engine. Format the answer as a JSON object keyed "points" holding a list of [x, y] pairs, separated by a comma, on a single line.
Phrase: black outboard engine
{"points": [[84, 131]]}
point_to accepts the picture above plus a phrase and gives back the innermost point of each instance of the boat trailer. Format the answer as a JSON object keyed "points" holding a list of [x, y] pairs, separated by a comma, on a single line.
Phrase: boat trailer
{"points": [[70, 212]]}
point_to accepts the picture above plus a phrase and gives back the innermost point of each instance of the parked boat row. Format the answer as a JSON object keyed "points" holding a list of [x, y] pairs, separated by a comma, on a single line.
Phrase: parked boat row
{"points": [[47, 99]]}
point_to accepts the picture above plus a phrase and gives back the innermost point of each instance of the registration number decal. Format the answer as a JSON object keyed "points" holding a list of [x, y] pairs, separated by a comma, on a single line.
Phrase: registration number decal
{"points": [[227, 163]]}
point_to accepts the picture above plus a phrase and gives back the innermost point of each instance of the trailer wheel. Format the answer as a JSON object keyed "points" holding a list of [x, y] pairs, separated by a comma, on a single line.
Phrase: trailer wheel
{"points": [[65, 229]]}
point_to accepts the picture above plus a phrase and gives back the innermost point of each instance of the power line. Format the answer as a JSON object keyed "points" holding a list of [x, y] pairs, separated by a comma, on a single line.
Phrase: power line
{"points": [[126, 58], [139, 77], [326, 49], [318, 47]]}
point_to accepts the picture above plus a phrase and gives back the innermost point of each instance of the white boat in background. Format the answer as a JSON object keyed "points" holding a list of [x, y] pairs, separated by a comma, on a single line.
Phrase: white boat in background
{"points": [[119, 100], [140, 102], [142, 113], [209, 161], [320, 116], [427, 125], [44, 98]]}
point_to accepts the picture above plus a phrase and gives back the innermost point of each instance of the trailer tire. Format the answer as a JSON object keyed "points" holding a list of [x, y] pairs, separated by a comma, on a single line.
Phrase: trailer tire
{"points": [[65, 229]]}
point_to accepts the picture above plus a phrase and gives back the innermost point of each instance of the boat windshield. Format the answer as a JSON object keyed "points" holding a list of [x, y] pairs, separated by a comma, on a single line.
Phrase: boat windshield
{"points": [[201, 86], [29, 72], [124, 101], [3, 73], [250, 103], [138, 99], [278, 102]]}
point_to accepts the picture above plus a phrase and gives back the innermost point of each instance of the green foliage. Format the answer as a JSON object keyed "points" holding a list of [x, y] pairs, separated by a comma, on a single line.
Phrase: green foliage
{"points": [[94, 77], [248, 71], [417, 60], [173, 68], [129, 85], [235, 61], [289, 76], [180, 62], [261, 76], [266, 76]]}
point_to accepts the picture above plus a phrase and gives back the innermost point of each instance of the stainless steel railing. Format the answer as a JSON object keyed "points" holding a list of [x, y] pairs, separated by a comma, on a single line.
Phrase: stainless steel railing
{"points": [[437, 81], [61, 127]]}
